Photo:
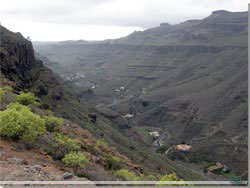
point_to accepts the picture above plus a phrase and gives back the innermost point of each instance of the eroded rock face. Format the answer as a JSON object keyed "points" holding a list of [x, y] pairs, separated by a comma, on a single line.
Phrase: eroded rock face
{"points": [[17, 59]]}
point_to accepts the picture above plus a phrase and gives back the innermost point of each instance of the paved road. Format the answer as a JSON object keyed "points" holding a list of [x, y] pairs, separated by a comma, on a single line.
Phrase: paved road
{"points": [[158, 141]]}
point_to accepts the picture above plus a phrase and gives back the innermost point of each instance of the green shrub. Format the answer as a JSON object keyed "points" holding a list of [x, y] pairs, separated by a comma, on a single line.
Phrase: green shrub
{"points": [[74, 159], [2, 95], [18, 122], [17, 106], [6, 96], [171, 177], [113, 162], [147, 178], [70, 144], [125, 175], [161, 149], [26, 99], [52, 123], [7, 89], [101, 143]]}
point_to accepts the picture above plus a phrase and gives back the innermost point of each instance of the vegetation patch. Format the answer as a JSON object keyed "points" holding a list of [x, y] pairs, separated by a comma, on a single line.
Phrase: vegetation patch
{"points": [[26, 99], [75, 160], [52, 123], [147, 178], [101, 144], [2, 95], [18, 122], [113, 162], [125, 175], [69, 143], [172, 177]]}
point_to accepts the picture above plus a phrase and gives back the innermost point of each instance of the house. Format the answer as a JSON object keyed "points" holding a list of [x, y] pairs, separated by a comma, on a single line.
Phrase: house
{"points": [[183, 147], [128, 116], [218, 168], [154, 134]]}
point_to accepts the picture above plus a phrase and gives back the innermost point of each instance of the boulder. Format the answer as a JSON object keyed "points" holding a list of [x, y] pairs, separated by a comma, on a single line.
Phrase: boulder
{"points": [[92, 117], [67, 175]]}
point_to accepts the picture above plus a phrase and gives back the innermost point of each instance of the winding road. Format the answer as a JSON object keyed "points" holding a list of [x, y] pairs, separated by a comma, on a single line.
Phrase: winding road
{"points": [[158, 141]]}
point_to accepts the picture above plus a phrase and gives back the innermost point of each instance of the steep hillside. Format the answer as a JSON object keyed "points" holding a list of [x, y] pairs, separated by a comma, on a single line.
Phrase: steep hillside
{"points": [[188, 81], [83, 126], [28, 151]]}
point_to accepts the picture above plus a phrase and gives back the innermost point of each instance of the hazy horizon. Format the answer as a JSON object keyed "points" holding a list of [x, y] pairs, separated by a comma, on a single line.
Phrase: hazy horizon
{"points": [[95, 20]]}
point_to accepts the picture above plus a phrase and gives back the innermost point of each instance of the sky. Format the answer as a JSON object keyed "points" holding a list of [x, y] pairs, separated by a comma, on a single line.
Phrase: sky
{"points": [[58, 20]]}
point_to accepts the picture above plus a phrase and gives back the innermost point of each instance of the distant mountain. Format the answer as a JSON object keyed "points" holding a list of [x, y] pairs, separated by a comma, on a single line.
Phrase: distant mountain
{"points": [[188, 80], [218, 29]]}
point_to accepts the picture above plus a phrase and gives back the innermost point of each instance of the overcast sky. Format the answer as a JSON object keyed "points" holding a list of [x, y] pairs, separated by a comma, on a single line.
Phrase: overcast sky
{"points": [[57, 20]]}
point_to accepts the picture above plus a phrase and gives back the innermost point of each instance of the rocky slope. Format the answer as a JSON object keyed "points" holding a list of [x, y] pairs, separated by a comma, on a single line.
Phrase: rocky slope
{"points": [[189, 80]]}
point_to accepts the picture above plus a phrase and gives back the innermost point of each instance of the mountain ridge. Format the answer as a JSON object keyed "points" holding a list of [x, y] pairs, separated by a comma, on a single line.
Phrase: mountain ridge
{"points": [[174, 77]]}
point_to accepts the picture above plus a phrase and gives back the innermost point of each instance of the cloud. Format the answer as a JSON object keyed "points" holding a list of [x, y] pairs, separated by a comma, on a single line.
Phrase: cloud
{"points": [[129, 14]]}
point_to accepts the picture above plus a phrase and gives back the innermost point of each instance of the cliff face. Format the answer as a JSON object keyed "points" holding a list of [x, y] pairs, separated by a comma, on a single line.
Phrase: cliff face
{"points": [[17, 57], [189, 80], [18, 64]]}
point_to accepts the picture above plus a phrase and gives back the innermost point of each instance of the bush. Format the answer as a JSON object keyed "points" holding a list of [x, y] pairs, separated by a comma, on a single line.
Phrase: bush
{"points": [[100, 143], [147, 178], [113, 162], [52, 123], [17, 106], [125, 175], [7, 89], [26, 99], [70, 144], [94, 172], [2, 95], [75, 160], [18, 122], [162, 149], [171, 177], [6, 96]]}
